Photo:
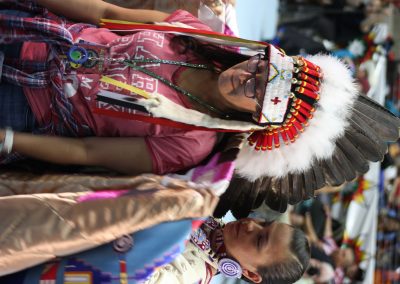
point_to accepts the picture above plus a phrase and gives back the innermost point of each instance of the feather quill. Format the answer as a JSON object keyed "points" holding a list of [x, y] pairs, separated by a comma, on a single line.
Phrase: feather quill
{"points": [[296, 189], [319, 176], [342, 161], [309, 184], [362, 127], [333, 174], [369, 150]]}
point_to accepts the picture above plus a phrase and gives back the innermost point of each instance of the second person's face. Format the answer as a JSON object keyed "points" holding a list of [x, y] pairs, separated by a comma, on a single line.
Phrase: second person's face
{"points": [[254, 243]]}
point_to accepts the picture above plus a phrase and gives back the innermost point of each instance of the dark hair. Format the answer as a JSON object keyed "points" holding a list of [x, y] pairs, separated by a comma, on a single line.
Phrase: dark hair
{"points": [[294, 267], [218, 57], [221, 58]]}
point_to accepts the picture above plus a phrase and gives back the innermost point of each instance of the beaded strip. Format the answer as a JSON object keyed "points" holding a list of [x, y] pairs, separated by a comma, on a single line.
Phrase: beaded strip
{"points": [[304, 95]]}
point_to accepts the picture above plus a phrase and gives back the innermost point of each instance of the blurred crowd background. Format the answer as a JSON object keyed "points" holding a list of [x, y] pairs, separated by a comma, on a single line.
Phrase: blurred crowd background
{"points": [[362, 218]]}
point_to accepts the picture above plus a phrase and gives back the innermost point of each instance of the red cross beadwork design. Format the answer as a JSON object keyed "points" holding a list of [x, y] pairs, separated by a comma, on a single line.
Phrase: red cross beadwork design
{"points": [[276, 101]]}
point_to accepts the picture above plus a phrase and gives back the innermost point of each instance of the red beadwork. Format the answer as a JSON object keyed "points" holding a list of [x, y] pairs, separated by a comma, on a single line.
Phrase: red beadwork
{"points": [[306, 105], [298, 125], [311, 72], [253, 138], [276, 139], [300, 118], [283, 134], [309, 86], [269, 141], [304, 112], [294, 132], [260, 141], [264, 141], [307, 92], [289, 134], [311, 65], [309, 79]]}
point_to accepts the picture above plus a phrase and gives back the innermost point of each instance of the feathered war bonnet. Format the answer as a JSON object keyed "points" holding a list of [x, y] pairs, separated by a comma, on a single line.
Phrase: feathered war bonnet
{"points": [[312, 127]]}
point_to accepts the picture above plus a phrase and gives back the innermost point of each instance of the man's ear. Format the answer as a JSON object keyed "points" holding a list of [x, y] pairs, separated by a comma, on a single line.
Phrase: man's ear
{"points": [[253, 276]]}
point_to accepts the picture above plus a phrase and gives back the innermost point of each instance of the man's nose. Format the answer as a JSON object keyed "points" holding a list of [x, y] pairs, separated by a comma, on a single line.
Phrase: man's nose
{"points": [[250, 226]]}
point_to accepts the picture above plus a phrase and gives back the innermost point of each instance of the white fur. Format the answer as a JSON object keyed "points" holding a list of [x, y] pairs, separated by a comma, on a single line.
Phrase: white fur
{"points": [[160, 106], [338, 93]]}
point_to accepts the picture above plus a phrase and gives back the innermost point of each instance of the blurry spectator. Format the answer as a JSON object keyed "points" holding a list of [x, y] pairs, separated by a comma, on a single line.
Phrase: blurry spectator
{"points": [[319, 271], [326, 249], [317, 213]]}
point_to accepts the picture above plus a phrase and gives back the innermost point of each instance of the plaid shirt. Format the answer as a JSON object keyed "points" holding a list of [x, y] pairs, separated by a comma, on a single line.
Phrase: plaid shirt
{"points": [[58, 33]]}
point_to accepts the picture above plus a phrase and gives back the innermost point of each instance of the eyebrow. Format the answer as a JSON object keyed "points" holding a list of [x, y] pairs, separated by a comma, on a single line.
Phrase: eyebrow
{"points": [[265, 238]]}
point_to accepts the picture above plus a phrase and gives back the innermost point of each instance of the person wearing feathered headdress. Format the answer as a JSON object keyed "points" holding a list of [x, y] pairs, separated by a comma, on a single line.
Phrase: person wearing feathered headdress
{"points": [[155, 97]]}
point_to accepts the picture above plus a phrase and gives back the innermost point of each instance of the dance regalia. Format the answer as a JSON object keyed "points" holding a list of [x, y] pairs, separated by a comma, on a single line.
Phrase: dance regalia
{"points": [[312, 127], [113, 236]]}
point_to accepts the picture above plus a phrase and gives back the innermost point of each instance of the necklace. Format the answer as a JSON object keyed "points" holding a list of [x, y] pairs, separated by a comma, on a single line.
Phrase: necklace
{"points": [[202, 238], [79, 55]]}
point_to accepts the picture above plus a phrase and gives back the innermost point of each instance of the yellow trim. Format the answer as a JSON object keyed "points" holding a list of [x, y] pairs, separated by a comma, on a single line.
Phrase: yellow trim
{"points": [[102, 21], [224, 37], [125, 86]]}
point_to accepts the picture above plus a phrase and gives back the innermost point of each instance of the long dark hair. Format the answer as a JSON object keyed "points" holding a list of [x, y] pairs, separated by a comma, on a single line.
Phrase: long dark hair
{"points": [[293, 268], [218, 57], [221, 58]]}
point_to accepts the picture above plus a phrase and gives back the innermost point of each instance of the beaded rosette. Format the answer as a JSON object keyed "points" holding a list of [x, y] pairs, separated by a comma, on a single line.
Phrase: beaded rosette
{"points": [[289, 101]]}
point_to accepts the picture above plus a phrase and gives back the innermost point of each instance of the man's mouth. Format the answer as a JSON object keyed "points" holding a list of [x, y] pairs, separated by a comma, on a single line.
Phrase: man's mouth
{"points": [[233, 82]]}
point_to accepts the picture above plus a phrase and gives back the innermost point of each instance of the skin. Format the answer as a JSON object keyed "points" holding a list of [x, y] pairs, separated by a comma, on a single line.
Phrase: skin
{"points": [[224, 92], [231, 85], [343, 257], [253, 244]]}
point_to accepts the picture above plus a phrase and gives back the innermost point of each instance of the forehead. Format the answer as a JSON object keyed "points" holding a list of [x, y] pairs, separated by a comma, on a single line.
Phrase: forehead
{"points": [[281, 229], [348, 253], [278, 247]]}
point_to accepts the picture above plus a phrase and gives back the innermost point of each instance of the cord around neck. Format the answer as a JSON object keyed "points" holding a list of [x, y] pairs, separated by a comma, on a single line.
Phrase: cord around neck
{"points": [[132, 64]]}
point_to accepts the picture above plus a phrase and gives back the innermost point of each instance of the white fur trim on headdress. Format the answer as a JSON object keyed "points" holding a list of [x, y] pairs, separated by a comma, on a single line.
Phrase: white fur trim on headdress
{"points": [[337, 95]]}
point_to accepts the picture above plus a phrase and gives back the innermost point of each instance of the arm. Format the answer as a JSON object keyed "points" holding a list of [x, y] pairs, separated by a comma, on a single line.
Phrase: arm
{"points": [[126, 155], [188, 267], [328, 222], [329, 189], [91, 11], [310, 231]]}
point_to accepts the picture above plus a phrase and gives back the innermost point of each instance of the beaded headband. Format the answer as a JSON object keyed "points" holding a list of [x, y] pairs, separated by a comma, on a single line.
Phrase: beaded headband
{"points": [[292, 90]]}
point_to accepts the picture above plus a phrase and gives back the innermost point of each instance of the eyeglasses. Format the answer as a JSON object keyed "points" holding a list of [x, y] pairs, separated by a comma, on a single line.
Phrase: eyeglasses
{"points": [[253, 84]]}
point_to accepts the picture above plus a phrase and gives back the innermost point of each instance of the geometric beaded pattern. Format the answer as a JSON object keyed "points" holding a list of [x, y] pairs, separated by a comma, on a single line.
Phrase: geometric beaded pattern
{"points": [[277, 92], [304, 94]]}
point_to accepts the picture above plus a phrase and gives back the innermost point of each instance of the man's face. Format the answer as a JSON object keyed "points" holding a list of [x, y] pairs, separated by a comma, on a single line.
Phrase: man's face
{"points": [[343, 257], [254, 243]]}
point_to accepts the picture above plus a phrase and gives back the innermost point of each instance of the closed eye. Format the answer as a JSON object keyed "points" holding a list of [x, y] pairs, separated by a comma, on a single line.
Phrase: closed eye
{"points": [[259, 241]]}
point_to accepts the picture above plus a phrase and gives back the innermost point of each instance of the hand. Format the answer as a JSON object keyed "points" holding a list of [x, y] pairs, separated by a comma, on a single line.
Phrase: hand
{"points": [[217, 6]]}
